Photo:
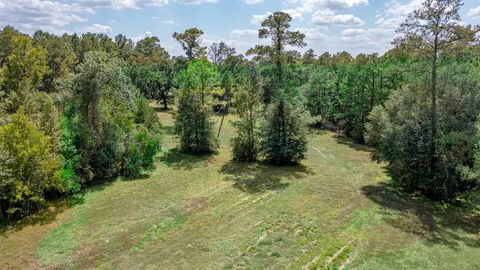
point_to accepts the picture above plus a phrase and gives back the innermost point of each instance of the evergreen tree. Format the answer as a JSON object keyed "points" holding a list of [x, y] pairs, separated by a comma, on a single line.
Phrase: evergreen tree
{"points": [[283, 133], [283, 136], [192, 119], [190, 41], [247, 105]]}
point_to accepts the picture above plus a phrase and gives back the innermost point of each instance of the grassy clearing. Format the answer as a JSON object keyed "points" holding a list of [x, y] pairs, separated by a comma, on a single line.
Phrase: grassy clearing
{"points": [[333, 210]]}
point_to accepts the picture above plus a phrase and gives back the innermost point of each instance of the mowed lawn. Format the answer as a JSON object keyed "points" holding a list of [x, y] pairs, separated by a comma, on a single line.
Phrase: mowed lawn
{"points": [[335, 209]]}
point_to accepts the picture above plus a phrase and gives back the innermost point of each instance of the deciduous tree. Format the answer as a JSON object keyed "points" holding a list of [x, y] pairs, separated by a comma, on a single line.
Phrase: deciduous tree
{"points": [[190, 41]]}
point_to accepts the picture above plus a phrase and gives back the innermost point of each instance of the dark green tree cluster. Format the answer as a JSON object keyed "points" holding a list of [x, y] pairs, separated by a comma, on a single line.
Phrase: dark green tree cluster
{"points": [[283, 132], [247, 104], [341, 90], [426, 130], [70, 115], [193, 125]]}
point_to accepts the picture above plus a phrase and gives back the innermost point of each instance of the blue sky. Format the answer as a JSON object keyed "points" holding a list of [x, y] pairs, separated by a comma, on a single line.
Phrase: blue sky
{"points": [[330, 25]]}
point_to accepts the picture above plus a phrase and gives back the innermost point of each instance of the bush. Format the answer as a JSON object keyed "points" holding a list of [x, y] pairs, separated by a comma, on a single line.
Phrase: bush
{"points": [[28, 167], [192, 120], [193, 125], [111, 114], [69, 179], [401, 132], [141, 148], [247, 104], [283, 134]]}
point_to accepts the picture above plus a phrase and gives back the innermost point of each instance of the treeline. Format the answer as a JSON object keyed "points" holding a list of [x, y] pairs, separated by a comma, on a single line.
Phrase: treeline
{"points": [[75, 109], [70, 114]]}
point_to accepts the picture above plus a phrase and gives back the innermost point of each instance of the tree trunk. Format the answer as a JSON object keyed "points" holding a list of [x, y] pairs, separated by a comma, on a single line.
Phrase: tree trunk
{"points": [[372, 92], [221, 123], [165, 102], [433, 153], [279, 49]]}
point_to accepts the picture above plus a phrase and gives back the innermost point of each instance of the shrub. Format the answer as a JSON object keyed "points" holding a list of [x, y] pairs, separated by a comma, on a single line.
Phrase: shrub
{"points": [[247, 102], [28, 167], [70, 158], [193, 125], [283, 134], [141, 148]]}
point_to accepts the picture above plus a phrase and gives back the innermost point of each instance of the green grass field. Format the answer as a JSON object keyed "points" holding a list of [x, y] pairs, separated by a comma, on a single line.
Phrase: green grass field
{"points": [[335, 210]]}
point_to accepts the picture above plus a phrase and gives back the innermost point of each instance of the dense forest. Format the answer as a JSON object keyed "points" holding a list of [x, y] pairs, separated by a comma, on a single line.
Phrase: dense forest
{"points": [[76, 110]]}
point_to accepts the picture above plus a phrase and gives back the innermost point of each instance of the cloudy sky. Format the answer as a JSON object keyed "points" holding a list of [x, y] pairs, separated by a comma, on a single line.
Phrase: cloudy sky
{"points": [[330, 25]]}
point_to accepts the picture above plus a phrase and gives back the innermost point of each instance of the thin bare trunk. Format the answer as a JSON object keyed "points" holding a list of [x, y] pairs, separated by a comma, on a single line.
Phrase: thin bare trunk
{"points": [[433, 157]]}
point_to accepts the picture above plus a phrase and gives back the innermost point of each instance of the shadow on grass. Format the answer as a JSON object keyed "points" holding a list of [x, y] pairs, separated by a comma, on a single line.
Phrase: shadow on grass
{"points": [[262, 177], [53, 208], [352, 144], [169, 130], [317, 131], [144, 175], [160, 108], [438, 224], [43, 216], [176, 159]]}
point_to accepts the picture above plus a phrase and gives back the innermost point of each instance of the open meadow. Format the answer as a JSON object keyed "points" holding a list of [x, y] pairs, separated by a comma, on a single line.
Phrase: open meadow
{"points": [[334, 210]]}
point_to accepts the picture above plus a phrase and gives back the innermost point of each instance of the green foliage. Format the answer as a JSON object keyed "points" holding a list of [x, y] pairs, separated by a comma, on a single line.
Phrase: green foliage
{"points": [[320, 94], [27, 64], [276, 28], [149, 51], [155, 82], [219, 52], [190, 41], [61, 58], [6, 36], [141, 147], [247, 104], [283, 133], [200, 75], [124, 46], [145, 115], [341, 93], [401, 132], [193, 125], [192, 119], [90, 42], [42, 111], [110, 113], [28, 167], [69, 179]]}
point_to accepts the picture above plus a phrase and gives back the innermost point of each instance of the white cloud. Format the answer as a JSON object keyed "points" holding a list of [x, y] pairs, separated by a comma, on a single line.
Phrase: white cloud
{"points": [[57, 15], [474, 13], [135, 4], [97, 28], [244, 32], [294, 13], [257, 19], [123, 4], [241, 45], [352, 32], [253, 2], [326, 17], [396, 12], [325, 12], [197, 2], [139, 37], [38, 14], [313, 33], [313, 5]]}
